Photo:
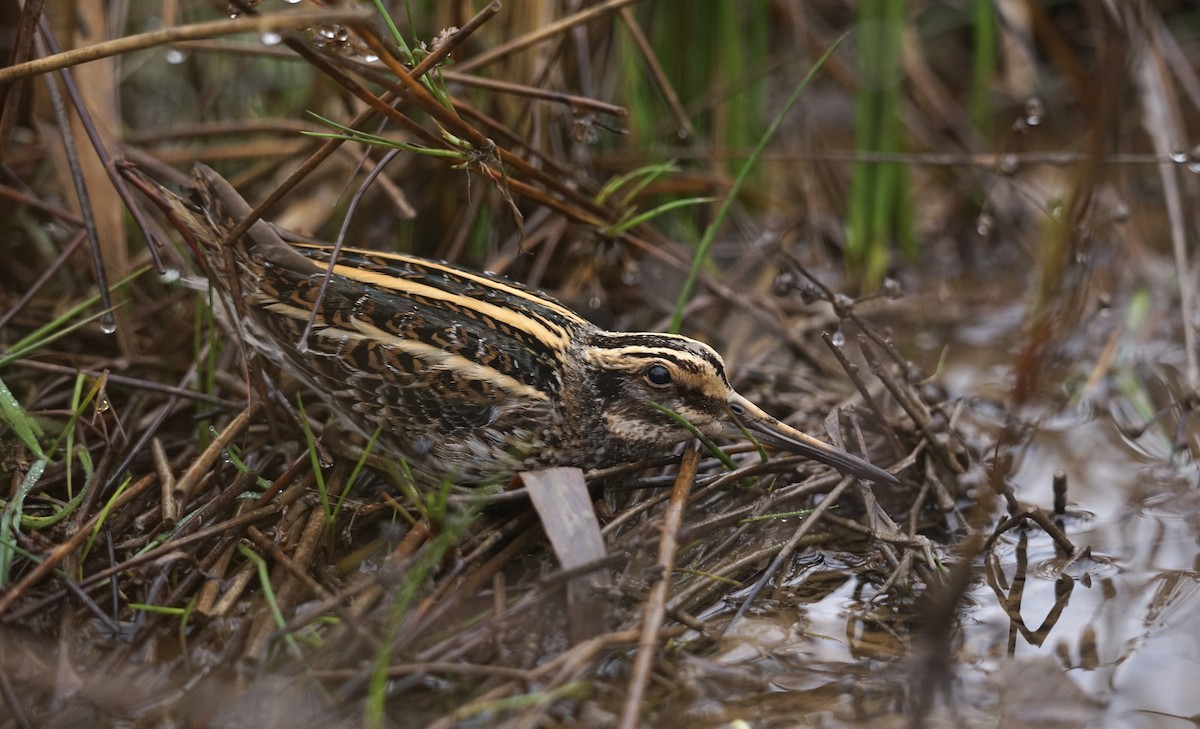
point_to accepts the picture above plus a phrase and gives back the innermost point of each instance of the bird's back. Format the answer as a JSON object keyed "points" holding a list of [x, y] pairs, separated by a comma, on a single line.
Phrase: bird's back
{"points": [[461, 372]]}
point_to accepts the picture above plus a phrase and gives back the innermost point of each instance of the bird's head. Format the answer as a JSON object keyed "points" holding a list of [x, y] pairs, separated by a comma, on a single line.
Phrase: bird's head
{"points": [[634, 377]]}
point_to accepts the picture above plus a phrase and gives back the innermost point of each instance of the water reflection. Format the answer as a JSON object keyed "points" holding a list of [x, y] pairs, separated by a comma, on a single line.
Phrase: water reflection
{"points": [[1107, 637]]}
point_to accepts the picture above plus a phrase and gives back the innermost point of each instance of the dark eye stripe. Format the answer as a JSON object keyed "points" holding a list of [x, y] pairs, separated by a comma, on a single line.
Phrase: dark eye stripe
{"points": [[688, 354], [640, 357]]}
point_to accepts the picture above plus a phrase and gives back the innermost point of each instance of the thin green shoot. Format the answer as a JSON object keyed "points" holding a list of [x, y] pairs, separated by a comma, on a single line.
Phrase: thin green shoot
{"points": [[779, 515], [983, 63], [640, 100], [236, 460], [401, 510], [25, 427], [413, 56], [643, 175], [437, 501], [158, 609], [426, 561], [50, 332], [762, 452], [1127, 379], [104, 513], [32, 523], [683, 423], [78, 405], [166, 536], [628, 220], [404, 480], [10, 518], [405, 51], [310, 634], [310, 441], [709, 576], [25, 554], [35, 523], [879, 210], [710, 233], [18, 352], [349, 134], [264, 578], [358, 467]]}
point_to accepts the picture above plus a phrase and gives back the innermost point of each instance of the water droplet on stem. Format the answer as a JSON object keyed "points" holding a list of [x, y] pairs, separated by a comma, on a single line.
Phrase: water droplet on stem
{"points": [[1034, 111], [984, 224]]}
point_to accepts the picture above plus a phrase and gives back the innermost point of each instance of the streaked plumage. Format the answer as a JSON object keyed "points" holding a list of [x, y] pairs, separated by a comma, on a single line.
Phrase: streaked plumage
{"points": [[471, 376]]}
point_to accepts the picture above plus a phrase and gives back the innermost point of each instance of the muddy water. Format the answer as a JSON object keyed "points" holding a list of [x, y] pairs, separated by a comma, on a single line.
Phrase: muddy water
{"points": [[1129, 631], [1109, 637]]}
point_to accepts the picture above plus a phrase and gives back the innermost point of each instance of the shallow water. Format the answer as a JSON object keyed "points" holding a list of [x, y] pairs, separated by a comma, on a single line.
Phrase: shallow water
{"points": [[1107, 638]]}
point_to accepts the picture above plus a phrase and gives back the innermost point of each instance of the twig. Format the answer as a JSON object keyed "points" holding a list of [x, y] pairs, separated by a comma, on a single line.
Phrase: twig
{"points": [[1160, 121], [376, 104], [682, 120], [789, 547], [118, 182], [41, 281], [137, 382], [10, 97], [852, 372], [915, 410], [10, 700], [203, 463], [1040, 518], [166, 480], [62, 551], [656, 602], [337, 245], [213, 29], [543, 33], [534, 92], [85, 203]]}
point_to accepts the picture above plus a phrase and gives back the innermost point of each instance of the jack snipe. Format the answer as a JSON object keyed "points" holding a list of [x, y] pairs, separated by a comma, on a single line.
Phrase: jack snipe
{"points": [[468, 376]]}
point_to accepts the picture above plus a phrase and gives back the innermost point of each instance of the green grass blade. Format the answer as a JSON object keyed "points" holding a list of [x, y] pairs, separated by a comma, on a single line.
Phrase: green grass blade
{"points": [[426, 562], [358, 467], [876, 215], [104, 512], [396, 35], [710, 233], [10, 519], [644, 176], [704, 439], [26, 428], [310, 441], [264, 579], [983, 64], [51, 332], [640, 218]]}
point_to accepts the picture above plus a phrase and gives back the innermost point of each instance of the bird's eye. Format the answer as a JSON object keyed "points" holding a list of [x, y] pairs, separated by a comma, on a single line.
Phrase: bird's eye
{"points": [[658, 375]]}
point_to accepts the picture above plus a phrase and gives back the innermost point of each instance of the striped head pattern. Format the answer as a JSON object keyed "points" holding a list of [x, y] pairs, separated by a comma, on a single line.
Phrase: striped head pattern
{"points": [[632, 373]]}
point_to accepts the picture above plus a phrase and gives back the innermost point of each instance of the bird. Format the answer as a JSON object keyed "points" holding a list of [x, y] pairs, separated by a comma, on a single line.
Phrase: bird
{"points": [[466, 376]]}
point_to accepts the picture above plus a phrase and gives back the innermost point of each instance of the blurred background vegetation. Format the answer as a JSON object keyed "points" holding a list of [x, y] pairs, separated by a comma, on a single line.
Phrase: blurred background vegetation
{"points": [[1031, 162]]}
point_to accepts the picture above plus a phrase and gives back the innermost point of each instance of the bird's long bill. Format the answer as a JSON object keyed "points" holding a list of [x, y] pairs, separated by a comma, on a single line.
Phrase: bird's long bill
{"points": [[772, 432]]}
